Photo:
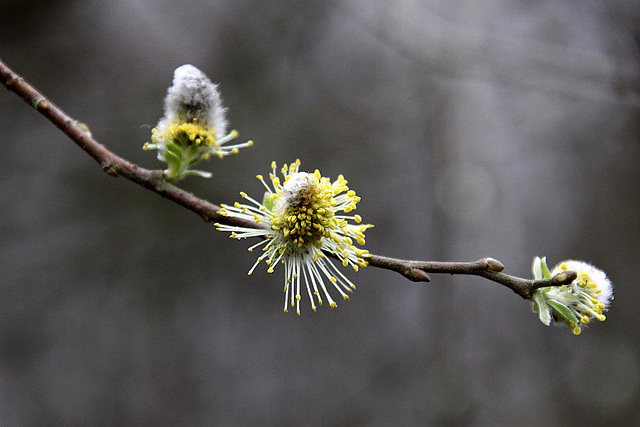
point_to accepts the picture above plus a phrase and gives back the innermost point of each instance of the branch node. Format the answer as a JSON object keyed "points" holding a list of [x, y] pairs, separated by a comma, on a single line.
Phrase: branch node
{"points": [[417, 275], [13, 80], [565, 277], [493, 264], [108, 168], [41, 104]]}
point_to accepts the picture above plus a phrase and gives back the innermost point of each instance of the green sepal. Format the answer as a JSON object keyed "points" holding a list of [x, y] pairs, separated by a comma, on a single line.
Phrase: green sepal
{"points": [[192, 154], [536, 268], [545, 270], [267, 202], [194, 160], [179, 158], [540, 306], [563, 311], [172, 159], [194, 172], [540, 269], [173, 150]]}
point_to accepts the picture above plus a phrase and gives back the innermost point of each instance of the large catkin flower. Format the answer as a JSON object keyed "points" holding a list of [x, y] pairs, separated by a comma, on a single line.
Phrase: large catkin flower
{"points": [[587, 297], [194, 126], [304, 219]]}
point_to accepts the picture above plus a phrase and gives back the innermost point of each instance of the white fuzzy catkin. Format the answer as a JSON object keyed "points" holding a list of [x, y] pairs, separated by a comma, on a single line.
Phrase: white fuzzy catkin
{"points": [[193, 97], [596, 275], [297, 188]]}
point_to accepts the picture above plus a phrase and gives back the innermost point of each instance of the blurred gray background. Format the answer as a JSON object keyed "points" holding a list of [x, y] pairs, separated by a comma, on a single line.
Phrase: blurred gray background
{"points": [[502, 128]]}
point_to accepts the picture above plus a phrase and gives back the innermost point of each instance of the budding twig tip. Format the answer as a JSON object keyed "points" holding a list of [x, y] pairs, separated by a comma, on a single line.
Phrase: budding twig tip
{"points": [[494, 264], [565, 277]]}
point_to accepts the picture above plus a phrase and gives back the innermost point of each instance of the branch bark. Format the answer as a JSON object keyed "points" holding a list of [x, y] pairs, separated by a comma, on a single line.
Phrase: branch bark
{"points": [[153, 180]]}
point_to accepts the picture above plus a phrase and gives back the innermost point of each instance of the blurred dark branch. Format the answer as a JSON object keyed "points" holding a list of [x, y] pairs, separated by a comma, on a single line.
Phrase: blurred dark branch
{"points": [[115, 166]]}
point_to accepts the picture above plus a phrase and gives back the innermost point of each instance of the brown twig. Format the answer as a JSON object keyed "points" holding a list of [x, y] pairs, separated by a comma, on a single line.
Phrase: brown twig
{"points": [[488, 268], [153, 180]]}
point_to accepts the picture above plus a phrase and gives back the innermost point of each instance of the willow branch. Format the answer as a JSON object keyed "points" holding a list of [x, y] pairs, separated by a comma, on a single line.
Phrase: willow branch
{"points": [[111, 163], [153, 180], [488, 268]]}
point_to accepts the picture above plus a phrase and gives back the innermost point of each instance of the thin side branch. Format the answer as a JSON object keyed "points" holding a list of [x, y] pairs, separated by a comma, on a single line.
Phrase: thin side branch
{"points": [[153, 180], [111, 163], [488, 268]]}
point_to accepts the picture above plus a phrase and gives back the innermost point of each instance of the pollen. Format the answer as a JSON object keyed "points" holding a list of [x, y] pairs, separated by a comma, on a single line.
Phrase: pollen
{"points": [[193, 127], [303, 220], [306, 216], [575, 304], [185, 134]]}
